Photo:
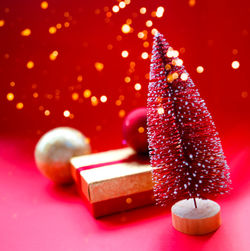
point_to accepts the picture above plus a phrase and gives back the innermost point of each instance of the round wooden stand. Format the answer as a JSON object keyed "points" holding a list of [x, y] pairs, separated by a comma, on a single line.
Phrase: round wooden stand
{"points": [[196, 221]]}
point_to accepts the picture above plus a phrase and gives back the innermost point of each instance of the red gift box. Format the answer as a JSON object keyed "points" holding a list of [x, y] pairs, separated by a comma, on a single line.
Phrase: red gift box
{"points": [[113, 181]]}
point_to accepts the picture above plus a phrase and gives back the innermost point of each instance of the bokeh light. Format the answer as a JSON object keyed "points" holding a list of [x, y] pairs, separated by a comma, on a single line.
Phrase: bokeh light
{"points": [[200, 69], [44, 5], [19, 106], [126, 28], [103, 99], [137, 86], [66, 113], [143, 10], [26, 32], [53, 55], [99, 66], [235, 64], [87, 93], [10, 96], [30, 64], [125, 54]]}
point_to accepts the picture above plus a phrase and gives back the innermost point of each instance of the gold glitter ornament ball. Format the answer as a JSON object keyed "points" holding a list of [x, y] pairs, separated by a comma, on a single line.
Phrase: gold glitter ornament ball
{"points": [[54, 151]]}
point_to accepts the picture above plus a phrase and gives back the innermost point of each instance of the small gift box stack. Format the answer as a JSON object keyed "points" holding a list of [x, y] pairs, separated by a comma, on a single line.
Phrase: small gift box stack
{"points": [[113, 181]]}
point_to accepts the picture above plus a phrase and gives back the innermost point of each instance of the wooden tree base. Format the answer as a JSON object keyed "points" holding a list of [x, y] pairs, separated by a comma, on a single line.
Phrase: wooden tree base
{"points": [[196, 221]]}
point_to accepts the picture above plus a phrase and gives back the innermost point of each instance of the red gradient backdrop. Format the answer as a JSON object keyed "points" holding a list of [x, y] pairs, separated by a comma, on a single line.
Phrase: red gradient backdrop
{"points": [[207, 33]]}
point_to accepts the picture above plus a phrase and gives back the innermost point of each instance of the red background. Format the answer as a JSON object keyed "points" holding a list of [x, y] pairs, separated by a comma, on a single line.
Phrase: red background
{"points": [[37, 215]]}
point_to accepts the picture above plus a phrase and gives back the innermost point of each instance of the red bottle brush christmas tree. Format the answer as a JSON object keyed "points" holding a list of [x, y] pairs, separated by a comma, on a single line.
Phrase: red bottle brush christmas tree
{"points": [[185, 149]]}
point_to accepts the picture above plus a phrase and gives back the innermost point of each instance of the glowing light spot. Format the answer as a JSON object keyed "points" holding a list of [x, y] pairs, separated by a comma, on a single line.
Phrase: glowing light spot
{"points": [[121, 113], [175, 75], [244, 94], [26, 32], [140, 35], [108, 14], [75, 96], [109, 46], [200, 69], [44, 5], [143, 10], [12, 83], [10, 96], [235, 64], [66, 24], [47, 113], [53, 55], [192, 3], [159, 11], [137, 86], [170, 78], [94, 101], [66, 113], [126, 28], [115, 8], [153, 13], [146, 44], [103, 99], [35, 95], [127, 79], [154, 31], [144, 55], [2, 22], [122, 5], [59, 26], [160, 110], [124, 54], [184, 76], [141, 129], [118, 102], [19, 106], [79, 78], [178, 62], [52, 30], [127, 2], [30, 64], [129, 200], [87, 93], [149, 23], [235, 51], [129, 21], [99, 66], [167, 67], [66, 14]]}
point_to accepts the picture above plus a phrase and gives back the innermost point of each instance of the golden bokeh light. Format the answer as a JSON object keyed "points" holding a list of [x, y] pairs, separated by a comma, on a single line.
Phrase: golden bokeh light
{"points": [[115, 8], [19, 106], [53, 55], [159, 12], [66, 24], [79, 78], [192, 3], [30, 64], [44, 5], [184, 76], [47, 112], [12, 83], [235, 64], [146, 44], [59, 26], [175, 75], [141, 129], [52, 30], [200, 69], [75, 96], [144, 55], [122, 5], [244, 94], [99, 66], [118, 102], [87, 93], [2, 22], [121, 113], [160, 110], [66, 113], [154, 31], [126, 28], [124, 54], [94, 101], [103, 99], [137, 86], [26, 32], [149, 23], [127, 1], [143, 10], [35, 95], [127, 79], [10, 96]]}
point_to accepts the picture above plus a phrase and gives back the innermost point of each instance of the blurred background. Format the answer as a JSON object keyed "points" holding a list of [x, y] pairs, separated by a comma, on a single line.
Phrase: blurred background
{"points": [[85, 64]]}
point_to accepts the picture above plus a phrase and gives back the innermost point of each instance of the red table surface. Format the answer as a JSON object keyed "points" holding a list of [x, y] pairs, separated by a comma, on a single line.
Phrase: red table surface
{"points": [[37, 215]]}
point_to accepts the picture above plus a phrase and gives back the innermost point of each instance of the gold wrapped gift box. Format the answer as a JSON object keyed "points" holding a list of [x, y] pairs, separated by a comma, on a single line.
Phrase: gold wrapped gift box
{"points": [[113, 181]]}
